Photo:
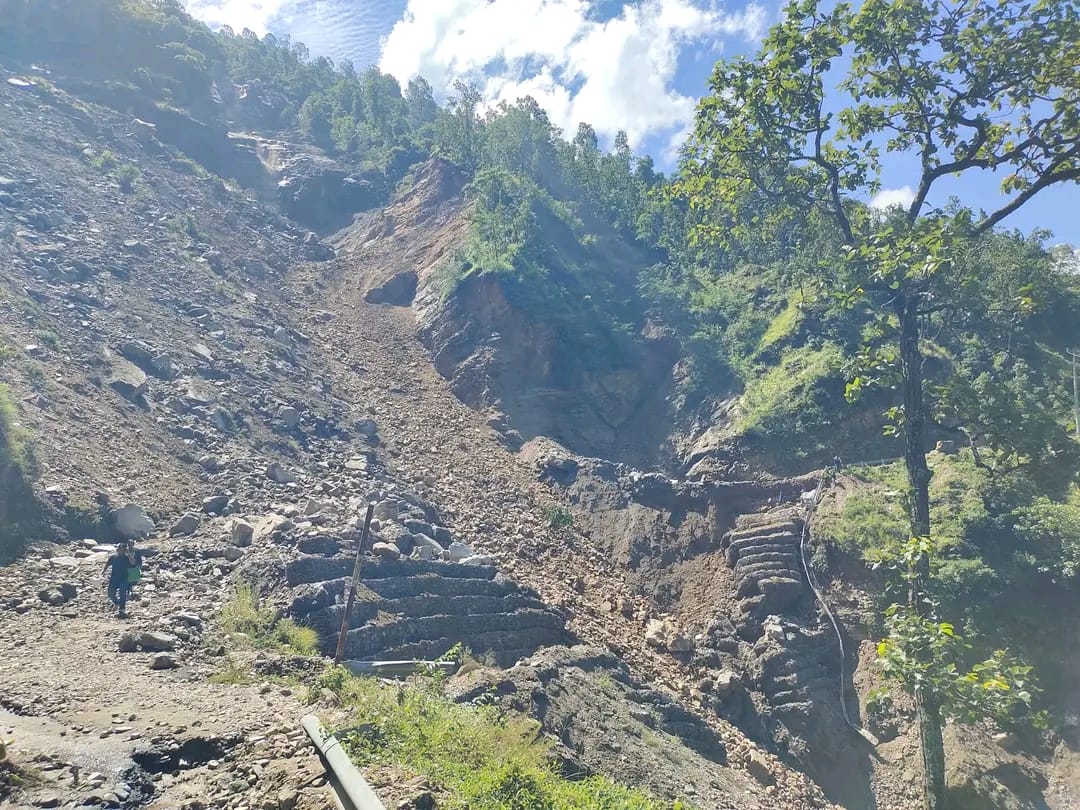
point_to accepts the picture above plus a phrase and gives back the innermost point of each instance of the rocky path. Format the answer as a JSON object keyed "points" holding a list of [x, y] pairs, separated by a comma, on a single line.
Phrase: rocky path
{"points": [[96, 726]]}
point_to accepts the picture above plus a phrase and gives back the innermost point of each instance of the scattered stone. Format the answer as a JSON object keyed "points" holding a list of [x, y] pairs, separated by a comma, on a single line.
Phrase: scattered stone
{"points": [[163, 661], [275, 472], [215, 504], [134, 641], [131, 522], [242, 533], [387, 551], [186, 525]]}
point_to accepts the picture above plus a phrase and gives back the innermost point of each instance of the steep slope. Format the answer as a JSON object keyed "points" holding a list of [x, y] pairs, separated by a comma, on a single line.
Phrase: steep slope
{"points": [[173, 352], [719, 561]]}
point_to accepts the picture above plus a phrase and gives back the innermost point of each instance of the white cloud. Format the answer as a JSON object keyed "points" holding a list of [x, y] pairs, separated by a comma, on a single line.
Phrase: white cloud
{"points": [[238, 14], [615, 73], [888, 197]]}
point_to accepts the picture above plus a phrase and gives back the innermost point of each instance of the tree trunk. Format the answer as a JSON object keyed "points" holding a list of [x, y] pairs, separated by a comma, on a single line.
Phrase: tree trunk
{"points": [[928, 713], [927, 708]]}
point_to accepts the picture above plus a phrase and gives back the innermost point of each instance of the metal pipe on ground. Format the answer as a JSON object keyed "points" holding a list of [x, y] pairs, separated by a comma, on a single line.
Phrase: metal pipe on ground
{"points": [[348, 779], [399, 669]]}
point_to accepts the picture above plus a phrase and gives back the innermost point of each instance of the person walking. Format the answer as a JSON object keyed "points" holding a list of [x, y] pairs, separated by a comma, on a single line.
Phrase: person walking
{"points": [[121, 562]]}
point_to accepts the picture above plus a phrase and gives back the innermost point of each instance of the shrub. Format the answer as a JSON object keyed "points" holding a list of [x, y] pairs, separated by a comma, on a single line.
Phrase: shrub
{"points": [[49, 339], [127, 176], [104, 161], [13, 447], [243, 614], [1050, 531]]}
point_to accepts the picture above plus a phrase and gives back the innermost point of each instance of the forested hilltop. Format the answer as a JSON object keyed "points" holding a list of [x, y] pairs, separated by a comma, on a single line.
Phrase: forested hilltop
{"points": [[775, 303]]}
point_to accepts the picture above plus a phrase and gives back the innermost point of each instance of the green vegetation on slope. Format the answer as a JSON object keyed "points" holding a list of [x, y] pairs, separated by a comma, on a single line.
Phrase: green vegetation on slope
{"points": [[264, 627], [477, 756]]}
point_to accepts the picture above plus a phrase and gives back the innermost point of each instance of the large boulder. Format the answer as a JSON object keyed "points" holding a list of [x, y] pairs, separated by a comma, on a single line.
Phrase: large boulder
{"points": [[128, 380], [56, 595], [131, 522]]}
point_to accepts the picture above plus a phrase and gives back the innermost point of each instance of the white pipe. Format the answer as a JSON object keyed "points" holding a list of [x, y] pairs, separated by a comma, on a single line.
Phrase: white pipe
{"points": [[353, 785]]}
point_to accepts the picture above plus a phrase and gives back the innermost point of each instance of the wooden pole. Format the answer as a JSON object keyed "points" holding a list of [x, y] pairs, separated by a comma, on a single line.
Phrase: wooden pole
{"points": [[351, 599]]}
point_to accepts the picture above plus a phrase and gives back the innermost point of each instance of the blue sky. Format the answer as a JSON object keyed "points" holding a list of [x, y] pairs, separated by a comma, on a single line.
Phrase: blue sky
{"points": [[638, 66]]}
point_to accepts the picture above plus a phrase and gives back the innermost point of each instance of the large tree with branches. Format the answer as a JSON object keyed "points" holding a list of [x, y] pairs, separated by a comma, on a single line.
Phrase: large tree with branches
{"points": [[955, 87]]}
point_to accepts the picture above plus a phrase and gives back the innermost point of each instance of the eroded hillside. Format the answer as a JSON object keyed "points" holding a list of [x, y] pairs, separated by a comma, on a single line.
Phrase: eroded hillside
{"points": [[233, 316]]}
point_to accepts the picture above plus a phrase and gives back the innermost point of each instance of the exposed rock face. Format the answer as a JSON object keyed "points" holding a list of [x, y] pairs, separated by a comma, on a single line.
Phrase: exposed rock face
{"points": [[314, 189], [398, 291], [608, 400], [590, 702]]}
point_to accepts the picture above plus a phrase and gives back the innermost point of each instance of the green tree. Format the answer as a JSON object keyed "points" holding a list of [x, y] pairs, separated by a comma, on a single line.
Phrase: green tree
{"points": [[957, 86], [420, 106], [460, 132]]}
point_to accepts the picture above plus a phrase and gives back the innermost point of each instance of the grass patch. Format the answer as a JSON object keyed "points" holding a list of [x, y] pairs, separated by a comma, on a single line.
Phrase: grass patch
{"points": [[244, 615], [783, 326], [13, 446], [232, 674], [792, 406], [558, 516], [479, 756], [871, 519]]}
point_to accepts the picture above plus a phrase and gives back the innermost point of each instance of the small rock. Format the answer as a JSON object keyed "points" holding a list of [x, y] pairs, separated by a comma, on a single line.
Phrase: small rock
{"points": [[679, 643], [186, 525], [215, 504], [149, 641], [458, 551], [726, 683], [656, 633], [163, 661], [367, 427], [188, 618], [232, 553], [388, 551], [289, 416], [758, 767], [275, 472], [242, 533], [56, 595]]}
